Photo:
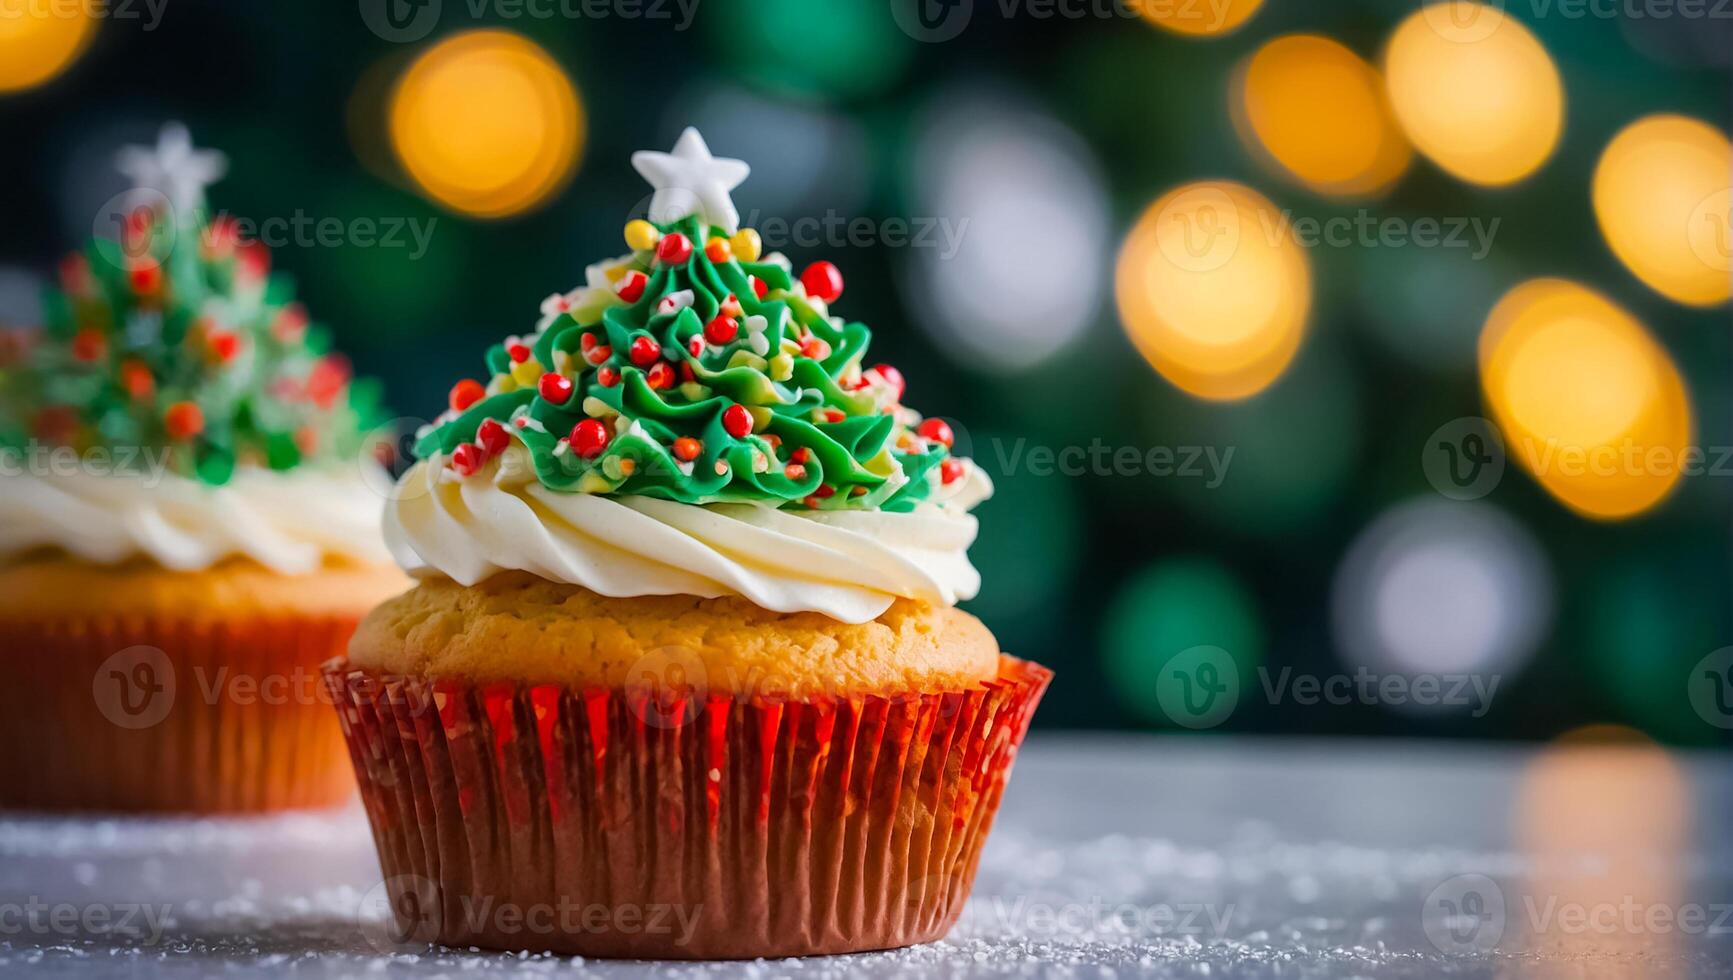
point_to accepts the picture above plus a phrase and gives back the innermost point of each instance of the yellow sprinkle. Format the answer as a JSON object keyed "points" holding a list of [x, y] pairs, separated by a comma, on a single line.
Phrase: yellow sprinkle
{"points": [[592, 482], [760, 416], [641, 234], [781, 367], [596, 408], [747, 245], [615, 273], [527, 373]]}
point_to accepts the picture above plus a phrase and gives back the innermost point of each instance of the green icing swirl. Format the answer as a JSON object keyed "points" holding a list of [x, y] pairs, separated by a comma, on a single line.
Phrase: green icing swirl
{"points": [[849, 448]]}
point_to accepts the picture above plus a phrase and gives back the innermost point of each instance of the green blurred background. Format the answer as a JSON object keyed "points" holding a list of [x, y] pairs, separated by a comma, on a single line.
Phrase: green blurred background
{"points": [[1323, 547]]}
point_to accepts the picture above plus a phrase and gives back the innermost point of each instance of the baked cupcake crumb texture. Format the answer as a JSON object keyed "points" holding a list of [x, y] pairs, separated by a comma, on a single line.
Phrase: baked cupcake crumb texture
{"points": [[518, 627]]}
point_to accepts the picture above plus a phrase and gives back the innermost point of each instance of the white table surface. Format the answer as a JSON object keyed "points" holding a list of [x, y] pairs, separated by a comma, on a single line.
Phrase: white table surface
{"points": [[1113, 856]]}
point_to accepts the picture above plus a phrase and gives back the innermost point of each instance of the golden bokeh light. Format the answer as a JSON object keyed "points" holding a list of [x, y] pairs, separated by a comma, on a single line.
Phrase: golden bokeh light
{"points": [[1474, 91], [1214, 289], [1603, 823], [1587, 400], [1319, 112], [1197, 18], [38, 39], [1661, 195], [486, 123]]}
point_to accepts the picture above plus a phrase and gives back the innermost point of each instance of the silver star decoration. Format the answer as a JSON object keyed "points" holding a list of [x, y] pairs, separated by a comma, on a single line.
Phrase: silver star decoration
{"points": [[173, 167], [691, 181]]}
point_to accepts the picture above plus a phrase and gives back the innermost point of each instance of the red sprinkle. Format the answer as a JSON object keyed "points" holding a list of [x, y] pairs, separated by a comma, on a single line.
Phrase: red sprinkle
{"points": [[892, 377], [607, 377], [800, 455], [937, 430], [466, 393], [555, 388], [951, 470], [467, 459], [492, 437], [759, 288], [89, 345], [137, 380], [660, 375], [737, 421], [587, 342], [645, 351], [686, 449], [518, 352], [183, 420], [822, 280], [599, 353], [718, 250], [631, 286], [795, 472], [589, 438], [815, 348], [721, 330], [834, 415], [824, 492], [731, 306], [224, 345], [674, 248]]}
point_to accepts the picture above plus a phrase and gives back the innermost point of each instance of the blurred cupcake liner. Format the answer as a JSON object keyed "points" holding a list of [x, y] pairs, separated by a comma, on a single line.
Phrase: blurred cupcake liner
{"points": [[167, 714], [616, 824]]}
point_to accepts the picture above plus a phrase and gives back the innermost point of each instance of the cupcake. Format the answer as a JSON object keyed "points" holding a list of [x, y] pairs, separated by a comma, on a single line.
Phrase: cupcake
{"points": [[185, 532], [683, 675]]}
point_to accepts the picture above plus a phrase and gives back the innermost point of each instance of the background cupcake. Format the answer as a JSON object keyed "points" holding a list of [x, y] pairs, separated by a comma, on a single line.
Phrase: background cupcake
{"points": [[185, 533], [685, 644]]}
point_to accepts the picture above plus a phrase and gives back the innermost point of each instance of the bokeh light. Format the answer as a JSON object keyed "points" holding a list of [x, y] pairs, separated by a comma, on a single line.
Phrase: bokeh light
{"points": [[1319, 112], [1015, 271], [1442, 587], [1662, 194], [39, 40], [1587, 400], [1214, 289], [1475, 91], [1170, 608], [1209, 19], [486, 123], [1603, 822]]}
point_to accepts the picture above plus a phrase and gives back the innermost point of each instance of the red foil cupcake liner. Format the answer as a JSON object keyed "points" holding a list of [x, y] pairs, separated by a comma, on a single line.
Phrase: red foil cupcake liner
{"points": [[607, 823], [162, 714]]}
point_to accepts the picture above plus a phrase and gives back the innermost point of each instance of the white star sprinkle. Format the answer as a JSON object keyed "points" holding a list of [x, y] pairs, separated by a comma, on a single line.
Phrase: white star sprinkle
{"points": [[173, 167], [691, 181]]}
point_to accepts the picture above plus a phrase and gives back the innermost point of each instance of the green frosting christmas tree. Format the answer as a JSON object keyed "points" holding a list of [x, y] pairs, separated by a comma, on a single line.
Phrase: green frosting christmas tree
{"points": [[176, 336], [694, 370]]}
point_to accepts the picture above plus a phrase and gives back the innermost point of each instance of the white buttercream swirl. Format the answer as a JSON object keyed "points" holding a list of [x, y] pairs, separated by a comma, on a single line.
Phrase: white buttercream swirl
{"points": [[849, 565], [289, 522]]}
